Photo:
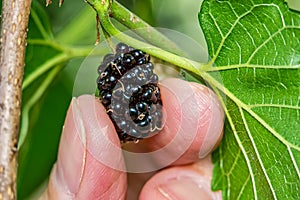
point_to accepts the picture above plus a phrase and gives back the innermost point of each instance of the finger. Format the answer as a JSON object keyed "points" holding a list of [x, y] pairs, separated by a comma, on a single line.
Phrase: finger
{"points": [[90, 163], [194, 122], [186, 182]]}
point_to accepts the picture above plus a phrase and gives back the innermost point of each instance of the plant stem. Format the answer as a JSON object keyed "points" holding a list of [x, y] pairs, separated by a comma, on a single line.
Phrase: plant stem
{"points": [[43, 68], [40, 25], [143, 29], [67, 54], [15, 16], [44, 42], [102, 7], [36, 96]]}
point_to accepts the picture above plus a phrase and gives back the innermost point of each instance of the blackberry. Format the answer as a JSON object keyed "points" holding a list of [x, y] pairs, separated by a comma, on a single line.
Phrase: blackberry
{"points": [[129, 91]]}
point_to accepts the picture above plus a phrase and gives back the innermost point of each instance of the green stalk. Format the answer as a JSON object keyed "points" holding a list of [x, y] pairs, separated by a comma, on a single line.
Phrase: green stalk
{"points": [[102, 7], [67, 54], [43, 68], [36, 96], [143, 29]]}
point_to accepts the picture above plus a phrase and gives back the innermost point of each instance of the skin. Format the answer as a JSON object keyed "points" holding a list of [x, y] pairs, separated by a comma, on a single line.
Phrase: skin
{"points": [[91, 165]]}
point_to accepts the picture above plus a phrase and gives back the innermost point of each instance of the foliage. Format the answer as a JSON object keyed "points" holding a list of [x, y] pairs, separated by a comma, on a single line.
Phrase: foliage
{"points": [[254, 69], [256, 50]]}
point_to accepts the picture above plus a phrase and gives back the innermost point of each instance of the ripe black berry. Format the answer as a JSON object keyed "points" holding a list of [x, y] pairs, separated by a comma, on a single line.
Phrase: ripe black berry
{"points": [[129, 91]]}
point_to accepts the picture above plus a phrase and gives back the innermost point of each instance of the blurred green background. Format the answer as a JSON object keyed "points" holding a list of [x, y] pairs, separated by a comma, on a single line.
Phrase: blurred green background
{"points": [[46, 116]]}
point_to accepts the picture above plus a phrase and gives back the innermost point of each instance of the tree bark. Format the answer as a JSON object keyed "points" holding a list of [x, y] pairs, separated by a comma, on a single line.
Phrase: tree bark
{"points": [[14, 24]]}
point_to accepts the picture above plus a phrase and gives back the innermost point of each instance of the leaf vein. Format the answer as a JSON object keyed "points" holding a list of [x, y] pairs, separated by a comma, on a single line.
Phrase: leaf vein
{"points": [[230, 120], [274, 105], [268, 40], [246, 65], [257, 153], [224, 37], [294, 161], [243, 188], [218, 85]]}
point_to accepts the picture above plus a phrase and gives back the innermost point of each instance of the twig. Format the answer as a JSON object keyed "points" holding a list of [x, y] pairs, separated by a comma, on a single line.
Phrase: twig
{"points": [[144, 30], [102, 9], [98, 29], [13, 41]]}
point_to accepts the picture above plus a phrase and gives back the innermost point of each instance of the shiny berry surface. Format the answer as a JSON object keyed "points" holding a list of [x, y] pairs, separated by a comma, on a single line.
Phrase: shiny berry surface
{"points": [[128, 89]]}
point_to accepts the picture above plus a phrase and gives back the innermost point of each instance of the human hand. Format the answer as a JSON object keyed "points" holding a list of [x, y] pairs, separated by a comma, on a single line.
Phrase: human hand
{"points": [[92, 165]]}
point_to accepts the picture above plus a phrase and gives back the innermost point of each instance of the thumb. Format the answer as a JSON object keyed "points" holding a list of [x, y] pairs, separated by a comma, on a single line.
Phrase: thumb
{"points": [[90, 163]]}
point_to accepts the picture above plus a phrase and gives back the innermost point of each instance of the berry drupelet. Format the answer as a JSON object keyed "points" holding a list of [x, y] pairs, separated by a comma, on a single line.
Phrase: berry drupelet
{"points": [[129, 91]]}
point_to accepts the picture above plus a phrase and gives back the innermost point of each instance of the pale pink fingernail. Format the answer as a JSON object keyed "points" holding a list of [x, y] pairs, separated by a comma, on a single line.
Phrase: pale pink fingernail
{"points": [[186, 187], [215, 130], [71, 156], [214, 121], [102, 140]]}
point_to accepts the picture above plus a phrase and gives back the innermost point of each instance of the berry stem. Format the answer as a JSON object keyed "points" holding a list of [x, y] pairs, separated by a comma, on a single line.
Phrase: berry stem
{"points": [[108, 40], [143, 29], [102, 9]]}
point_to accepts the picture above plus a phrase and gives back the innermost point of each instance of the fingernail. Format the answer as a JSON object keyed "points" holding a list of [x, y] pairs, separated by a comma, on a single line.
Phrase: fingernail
{"points": [[215, 129], [214, 121], [102, 140], [71, 156], [185, 188]]}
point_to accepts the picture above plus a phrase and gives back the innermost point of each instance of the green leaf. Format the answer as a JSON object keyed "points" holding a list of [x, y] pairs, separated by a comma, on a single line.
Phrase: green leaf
{"points": [[255, 51]]}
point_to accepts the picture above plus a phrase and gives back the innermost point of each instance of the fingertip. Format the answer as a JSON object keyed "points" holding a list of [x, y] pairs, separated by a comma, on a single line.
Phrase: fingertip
{"points": [[213, 119], [194, 121], [98, 123], [89, 160]]}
